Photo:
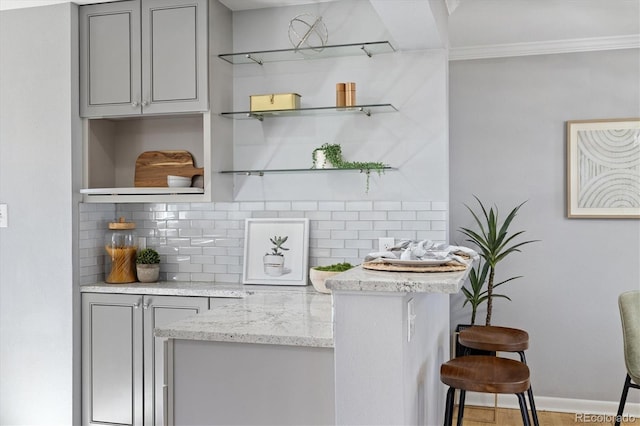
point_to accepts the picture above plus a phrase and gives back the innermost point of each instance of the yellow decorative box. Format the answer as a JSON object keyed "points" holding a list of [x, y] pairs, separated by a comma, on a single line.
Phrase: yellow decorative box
{"points": [[274, 101]]}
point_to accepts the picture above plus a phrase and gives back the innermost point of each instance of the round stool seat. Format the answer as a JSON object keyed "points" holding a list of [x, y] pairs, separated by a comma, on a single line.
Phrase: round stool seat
{"points": [[487, 374], [494, 339]]}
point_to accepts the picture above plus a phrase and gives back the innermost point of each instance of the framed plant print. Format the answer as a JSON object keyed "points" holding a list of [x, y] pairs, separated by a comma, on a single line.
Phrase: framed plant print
{"points": [[603, 168], [276, 251]]}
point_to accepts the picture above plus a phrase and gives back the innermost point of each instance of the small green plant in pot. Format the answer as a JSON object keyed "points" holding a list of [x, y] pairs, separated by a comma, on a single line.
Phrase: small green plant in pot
{"points": [[274, 260], [495, 243], [319, 274], [148, 265]]}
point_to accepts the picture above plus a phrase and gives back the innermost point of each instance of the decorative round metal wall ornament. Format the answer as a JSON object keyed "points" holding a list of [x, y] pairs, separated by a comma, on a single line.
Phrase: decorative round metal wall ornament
{"points": [[308, 32]]}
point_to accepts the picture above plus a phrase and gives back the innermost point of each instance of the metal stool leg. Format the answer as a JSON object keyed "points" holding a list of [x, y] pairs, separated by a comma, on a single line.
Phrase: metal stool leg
{"points": [[463, 395], [523, 409], [532, 403], [448, 411]]}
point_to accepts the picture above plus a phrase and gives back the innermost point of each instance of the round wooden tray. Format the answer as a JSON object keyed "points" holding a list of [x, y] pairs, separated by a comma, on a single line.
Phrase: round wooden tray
{"points": [[382, 266]]}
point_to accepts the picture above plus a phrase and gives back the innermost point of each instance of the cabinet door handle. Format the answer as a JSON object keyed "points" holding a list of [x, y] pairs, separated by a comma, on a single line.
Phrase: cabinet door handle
{"points": [[145, 103], [137, 305], [134, 104], [146, 305]]}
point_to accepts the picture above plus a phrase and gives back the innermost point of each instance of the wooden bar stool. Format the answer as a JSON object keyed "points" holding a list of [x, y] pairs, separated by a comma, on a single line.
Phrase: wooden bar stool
{"points": [[485, 374], [499, 339]]}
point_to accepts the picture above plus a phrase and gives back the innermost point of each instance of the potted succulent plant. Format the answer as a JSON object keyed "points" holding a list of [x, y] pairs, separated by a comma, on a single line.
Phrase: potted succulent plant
{"points": [[319, 274], [274, 260], [495, 243], [148, 265], [330, 156]]}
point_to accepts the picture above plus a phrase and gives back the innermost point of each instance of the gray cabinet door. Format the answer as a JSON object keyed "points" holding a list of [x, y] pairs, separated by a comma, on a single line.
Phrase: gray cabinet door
{"points": [[174, 56], [158, 311], [112, 356], [110, 82]]}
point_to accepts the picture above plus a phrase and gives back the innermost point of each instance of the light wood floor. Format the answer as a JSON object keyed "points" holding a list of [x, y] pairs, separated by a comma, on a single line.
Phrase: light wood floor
{"points": [[482, 417]]}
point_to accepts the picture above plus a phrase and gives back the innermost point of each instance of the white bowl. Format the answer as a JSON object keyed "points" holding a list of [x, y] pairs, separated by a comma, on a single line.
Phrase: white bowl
{"points": [[178, 181]]}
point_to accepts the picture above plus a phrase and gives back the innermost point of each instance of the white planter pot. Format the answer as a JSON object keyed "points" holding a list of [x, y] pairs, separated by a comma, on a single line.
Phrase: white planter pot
{"points": [[273, 265], [321, 161], [148, 273]]}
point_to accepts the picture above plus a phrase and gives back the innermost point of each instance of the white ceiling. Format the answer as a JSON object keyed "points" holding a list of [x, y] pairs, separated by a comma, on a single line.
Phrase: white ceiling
{"points": [[488, 22]]}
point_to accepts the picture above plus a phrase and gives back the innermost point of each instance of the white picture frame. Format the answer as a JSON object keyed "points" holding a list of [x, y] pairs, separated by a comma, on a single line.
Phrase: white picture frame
{"points": [[263, 238], [603, 168]]}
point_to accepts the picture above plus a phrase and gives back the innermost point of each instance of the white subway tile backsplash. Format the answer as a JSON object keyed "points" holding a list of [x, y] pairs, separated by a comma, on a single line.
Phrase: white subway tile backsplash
{"points": [[344, 235], [388, 205], [416, 205], [277, 205], [377, 215], [344, 216], [205, 241], [331, 205], [252, 205], [304, 205], [408, 215], [359, 205], [331, 224]]}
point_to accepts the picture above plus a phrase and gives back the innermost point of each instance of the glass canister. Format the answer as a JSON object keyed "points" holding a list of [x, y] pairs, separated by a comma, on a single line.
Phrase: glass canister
{"points": [[120, 244]]}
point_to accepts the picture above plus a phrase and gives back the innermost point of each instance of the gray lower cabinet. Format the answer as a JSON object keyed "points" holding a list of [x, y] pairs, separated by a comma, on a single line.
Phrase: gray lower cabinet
{"points": [[143, 57], [122, 362]]}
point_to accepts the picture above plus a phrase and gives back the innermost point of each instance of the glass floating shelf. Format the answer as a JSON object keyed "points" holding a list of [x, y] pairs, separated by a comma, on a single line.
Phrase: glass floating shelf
{"points": [[273, 171], [263, 56], [356, 109]]}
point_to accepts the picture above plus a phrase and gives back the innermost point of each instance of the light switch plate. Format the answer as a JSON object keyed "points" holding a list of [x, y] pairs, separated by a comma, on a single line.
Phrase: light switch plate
{"points": [[4, 219]]}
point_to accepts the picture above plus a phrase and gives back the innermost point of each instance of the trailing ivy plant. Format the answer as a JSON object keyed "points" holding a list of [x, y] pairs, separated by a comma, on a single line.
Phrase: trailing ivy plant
{"points": [[493, 241], [333, 154]]}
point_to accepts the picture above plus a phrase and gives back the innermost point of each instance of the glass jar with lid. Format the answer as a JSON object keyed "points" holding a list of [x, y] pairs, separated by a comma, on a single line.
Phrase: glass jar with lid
{"points": [[121, 247]]}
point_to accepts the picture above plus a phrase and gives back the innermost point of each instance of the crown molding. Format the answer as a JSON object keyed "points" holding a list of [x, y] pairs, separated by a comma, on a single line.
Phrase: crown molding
{"points": [[545, 47]]}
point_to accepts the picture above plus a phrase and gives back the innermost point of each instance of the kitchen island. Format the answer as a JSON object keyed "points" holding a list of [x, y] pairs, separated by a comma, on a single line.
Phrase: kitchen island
{"points": [[367, 354]]}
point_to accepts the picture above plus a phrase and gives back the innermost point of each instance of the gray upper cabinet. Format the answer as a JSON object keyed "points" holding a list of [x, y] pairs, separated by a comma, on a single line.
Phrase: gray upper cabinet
{"points": [[143, 57]]}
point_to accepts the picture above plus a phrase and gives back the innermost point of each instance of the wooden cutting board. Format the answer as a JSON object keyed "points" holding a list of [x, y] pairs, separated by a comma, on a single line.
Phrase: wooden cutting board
{"points": [[153, 167]]}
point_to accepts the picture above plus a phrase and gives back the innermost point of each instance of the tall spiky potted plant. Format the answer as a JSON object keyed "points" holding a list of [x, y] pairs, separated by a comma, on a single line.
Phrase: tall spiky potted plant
{"points": [[494, 243]]}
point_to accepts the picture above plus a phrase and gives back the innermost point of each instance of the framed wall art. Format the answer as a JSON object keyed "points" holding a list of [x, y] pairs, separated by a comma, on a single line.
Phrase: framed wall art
{"points": [[276, 251], [603, 168]]}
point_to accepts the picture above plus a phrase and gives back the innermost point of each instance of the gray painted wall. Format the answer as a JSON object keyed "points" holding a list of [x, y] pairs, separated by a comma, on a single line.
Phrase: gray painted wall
{"points": [[507, 145], [38, 142]]}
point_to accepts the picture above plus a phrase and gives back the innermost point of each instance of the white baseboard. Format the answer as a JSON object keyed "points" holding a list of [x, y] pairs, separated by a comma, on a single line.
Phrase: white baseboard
{"points": [[562, 405]]}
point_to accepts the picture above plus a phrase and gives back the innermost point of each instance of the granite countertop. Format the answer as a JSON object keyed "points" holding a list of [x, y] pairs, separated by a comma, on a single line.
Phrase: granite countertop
{"points": [[171, 288], [359, 279], [293, 316]]}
